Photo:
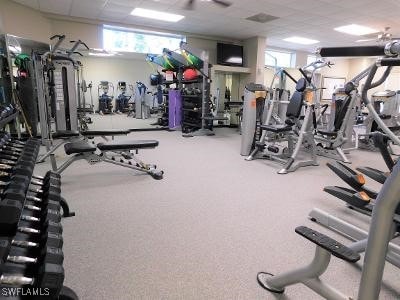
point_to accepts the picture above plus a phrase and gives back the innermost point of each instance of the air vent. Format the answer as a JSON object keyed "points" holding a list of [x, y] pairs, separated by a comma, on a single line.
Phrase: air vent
{"points": [[262, 18]]}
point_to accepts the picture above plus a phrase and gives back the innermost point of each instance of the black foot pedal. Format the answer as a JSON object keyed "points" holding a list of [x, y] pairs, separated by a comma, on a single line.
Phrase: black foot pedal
{"points": [[262, 278], [353, 179], [334, 247], [374, 174], [355, 199]]}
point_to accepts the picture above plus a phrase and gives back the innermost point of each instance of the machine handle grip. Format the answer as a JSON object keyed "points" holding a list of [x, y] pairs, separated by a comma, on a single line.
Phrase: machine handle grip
{"points": [[388, 62], [60, 37], [352, 51], [305, 75]]}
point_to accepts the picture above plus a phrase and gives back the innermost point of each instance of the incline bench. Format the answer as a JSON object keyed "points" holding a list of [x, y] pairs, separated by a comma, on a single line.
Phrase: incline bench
{"points": [[66, 136], [107, 152]]}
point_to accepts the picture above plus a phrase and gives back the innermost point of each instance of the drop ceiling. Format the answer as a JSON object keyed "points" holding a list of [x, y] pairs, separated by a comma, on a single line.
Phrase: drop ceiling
{"points": [[313, 19]]}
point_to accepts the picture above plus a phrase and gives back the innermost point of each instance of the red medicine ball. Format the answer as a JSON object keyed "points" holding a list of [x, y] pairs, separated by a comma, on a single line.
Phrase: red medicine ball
{"points": [[190, 74]]}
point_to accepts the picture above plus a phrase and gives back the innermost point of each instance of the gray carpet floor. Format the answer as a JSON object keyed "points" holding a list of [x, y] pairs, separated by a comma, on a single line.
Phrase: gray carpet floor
{"points": [[205, 230]]}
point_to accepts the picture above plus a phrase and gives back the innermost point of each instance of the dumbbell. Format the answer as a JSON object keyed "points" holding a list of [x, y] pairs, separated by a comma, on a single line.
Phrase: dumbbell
{"points": [[43, 208], [26, 169], [48, 276], [49, 255], [50, 198], [50, 178], [7, 146], [11, 214]]}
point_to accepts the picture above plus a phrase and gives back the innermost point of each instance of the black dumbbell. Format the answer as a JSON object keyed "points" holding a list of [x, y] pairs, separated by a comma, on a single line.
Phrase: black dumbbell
{"points": [[48, 174], [48, 276], [48, 179], [45, 255], [11, 214]]}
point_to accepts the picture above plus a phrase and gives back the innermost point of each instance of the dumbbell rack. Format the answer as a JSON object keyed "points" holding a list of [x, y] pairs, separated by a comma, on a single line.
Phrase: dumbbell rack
{"points": [[31, 257]]}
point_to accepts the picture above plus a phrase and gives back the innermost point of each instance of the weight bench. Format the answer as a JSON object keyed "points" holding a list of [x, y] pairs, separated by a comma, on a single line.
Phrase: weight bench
{"points": [[69, 136], [63, 135], [117, 153], [90, 134]]}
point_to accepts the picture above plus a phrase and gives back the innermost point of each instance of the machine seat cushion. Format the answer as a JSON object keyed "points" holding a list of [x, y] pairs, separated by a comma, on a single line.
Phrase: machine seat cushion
{"points": [[65, 134], [276, 128], [335, 248], [327, 133], [78, 147], [105, 132], [127, 145]]}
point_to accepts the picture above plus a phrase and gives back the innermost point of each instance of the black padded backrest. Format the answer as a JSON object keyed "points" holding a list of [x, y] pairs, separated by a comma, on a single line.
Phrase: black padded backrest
{"points": [[301, 85], [295, 105], [341, 113]]}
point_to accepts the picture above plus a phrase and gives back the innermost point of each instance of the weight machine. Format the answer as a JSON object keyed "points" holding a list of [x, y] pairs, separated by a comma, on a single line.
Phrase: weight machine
{"points": [[105, 100]]}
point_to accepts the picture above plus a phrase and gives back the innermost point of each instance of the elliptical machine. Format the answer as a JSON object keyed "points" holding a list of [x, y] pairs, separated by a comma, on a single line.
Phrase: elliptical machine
{"points": [[122, 101], [105, 100]]}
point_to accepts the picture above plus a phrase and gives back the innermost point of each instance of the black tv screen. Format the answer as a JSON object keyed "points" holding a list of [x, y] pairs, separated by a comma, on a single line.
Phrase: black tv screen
{"points": [[229, 55]]}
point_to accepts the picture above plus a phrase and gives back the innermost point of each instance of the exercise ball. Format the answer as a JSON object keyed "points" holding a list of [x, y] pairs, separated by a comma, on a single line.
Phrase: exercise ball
{"points": [[190, 74]]}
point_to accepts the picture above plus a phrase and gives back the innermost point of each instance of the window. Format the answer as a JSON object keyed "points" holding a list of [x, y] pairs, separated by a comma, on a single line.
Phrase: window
{"points": [[311, 58], [125, 40], [279, 58]]}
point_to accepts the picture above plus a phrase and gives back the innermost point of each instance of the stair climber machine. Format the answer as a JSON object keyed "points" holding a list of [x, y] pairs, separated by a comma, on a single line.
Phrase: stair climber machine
{"points": [[385, 214], [105, 100], [122, 101], [282, 142], [386, 104]]}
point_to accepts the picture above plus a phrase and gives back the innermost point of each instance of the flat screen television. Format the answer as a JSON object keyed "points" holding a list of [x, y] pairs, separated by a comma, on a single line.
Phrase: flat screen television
{"points": [[229, 55]]}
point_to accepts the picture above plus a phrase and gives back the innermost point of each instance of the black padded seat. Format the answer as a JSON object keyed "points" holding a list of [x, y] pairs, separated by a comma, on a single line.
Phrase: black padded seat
{"points": [[127, 145], [65, 134], [78, 147], [328, 133], [105, 132], [277, 128]]}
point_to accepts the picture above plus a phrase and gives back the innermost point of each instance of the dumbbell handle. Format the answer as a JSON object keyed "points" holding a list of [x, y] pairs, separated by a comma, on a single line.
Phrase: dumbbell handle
{"points": [[24, 244], [6, 161], [28, 230], [30, 218], [16, 280], [32, 207], [22, 259]]}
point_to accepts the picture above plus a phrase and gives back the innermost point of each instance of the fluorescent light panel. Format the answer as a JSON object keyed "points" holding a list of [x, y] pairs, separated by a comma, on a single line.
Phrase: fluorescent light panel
{"points": [[301, 40], [157, 15], [355, 29]]}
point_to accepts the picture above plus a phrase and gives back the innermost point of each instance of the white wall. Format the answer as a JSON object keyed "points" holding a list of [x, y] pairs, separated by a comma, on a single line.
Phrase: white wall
{"points": [[91, 34], [114, 69], [24, 22], [393, 81]]}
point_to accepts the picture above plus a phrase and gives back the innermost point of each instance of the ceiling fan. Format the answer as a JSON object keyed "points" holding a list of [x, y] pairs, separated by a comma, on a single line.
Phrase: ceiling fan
{"points": [[380, 37], [222, 3]]}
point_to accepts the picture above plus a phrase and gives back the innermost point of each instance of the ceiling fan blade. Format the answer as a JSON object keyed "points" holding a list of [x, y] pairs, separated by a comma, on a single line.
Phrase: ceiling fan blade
{"points": [[222, 3], [189, 5]]}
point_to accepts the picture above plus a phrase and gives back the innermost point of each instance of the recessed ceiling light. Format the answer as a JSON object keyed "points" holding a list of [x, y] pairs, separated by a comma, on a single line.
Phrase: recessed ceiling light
{"points": [[300, 40], [355, 29], [157, 15]]}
